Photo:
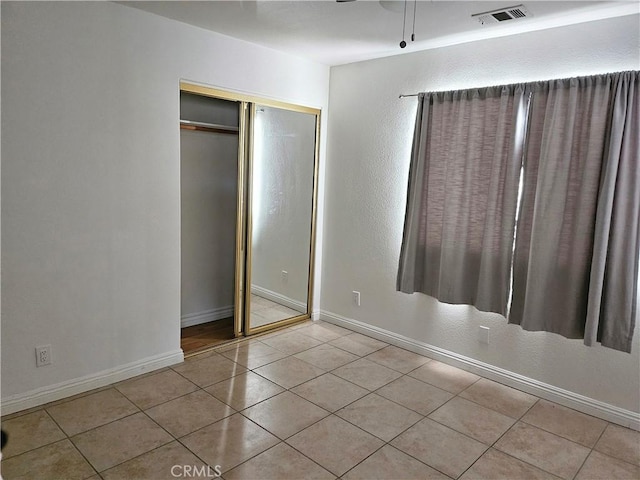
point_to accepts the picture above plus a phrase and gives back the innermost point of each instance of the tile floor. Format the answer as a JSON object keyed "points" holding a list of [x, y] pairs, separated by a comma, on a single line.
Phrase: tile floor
{"points": [[264, 311], [313, 401]]}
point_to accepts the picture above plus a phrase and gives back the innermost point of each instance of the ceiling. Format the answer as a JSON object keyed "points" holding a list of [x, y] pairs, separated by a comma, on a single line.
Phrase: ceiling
{"points": [[336, 33]]}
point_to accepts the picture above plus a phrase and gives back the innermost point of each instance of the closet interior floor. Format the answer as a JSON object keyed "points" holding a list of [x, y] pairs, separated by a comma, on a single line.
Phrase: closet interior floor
{"points": [[205, 335], [313, 400]]}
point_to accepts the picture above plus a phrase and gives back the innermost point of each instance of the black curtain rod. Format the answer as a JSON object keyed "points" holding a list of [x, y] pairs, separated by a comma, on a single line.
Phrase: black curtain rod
{"points": [[408, 95]]}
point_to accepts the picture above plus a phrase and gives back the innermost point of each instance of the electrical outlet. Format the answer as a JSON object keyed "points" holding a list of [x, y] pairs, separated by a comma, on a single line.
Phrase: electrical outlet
{"points": [[483, 335], [43, 355], [356, 298], [285, 276]]}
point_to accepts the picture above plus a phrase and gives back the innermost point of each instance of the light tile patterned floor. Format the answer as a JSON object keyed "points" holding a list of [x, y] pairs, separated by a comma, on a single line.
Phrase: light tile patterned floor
{"points": [[313, 401], [264, 311]]}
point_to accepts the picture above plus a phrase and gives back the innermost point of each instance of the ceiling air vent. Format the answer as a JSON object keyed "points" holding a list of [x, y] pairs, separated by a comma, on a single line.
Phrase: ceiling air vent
{"points": [[502, 15]]}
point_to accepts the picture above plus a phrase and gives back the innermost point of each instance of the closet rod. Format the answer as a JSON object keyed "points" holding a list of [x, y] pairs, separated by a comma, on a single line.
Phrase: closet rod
{"points": [[207, 127]]}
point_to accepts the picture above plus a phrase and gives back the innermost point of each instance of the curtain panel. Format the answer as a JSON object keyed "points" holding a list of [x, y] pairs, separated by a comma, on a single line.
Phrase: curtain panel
{"points": [[613, 288], [462, 196], [573, 268], [568, 121]]}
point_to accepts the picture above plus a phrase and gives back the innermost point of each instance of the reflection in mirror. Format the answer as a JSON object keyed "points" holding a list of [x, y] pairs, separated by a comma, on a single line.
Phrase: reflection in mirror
{"points": [[283, 167]]}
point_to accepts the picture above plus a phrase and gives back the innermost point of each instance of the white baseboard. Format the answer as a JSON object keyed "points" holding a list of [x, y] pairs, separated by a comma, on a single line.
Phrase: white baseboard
{"points": [[51, 393], [279, 298], [590, 406], [191, 319]]}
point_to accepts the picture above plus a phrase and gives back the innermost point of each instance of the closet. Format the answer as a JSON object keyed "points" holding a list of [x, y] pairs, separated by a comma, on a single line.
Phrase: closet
{"points": [[209, 189], [249, 185]]}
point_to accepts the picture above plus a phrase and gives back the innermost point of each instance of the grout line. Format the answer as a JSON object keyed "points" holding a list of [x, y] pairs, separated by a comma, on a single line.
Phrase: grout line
{"points": [[191, 451], [137, 456], [559, 435]]}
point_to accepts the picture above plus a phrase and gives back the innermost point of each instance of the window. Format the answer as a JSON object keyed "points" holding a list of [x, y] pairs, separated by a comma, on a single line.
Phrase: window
{"points": [[575, 266]]}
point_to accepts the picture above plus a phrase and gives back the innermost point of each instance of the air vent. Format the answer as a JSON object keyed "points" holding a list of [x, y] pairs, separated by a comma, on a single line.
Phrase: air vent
{"points": [[502, 15]]}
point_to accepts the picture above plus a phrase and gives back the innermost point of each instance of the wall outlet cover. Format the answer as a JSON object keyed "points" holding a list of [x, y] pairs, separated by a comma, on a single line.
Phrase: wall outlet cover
{"points": [[43, 355], [356, 298], [483, 334]]}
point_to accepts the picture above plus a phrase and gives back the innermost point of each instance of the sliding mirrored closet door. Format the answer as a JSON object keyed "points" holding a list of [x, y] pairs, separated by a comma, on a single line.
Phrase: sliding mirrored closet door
{"points": [[276, 196], [282, 174]]}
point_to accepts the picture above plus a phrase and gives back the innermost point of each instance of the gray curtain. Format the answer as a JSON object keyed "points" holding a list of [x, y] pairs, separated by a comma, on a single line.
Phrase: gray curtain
{"points": [[577, 235], [462, 196], [611, 313], [574, 266]]}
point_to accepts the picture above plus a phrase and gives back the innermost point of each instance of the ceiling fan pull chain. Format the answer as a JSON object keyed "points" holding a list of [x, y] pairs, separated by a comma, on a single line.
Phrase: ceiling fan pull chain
{"points": [[413, 33], [404, 22]]}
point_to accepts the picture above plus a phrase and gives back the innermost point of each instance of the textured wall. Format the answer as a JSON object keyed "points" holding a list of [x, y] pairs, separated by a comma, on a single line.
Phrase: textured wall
{"points": [[90, 177], [370, 132], [209, 181]]}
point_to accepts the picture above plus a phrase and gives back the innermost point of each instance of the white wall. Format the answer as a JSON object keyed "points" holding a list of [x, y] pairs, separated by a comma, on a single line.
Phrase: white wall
{"points": [[90, 180], [209, 192], [369, 137]]}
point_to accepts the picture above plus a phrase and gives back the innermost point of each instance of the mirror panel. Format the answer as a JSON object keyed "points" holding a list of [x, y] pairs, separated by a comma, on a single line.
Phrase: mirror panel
{"points": [[283, 164]]}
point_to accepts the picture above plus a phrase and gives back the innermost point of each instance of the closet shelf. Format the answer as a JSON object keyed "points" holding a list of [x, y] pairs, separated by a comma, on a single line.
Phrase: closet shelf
{"points": [[207, 127]]}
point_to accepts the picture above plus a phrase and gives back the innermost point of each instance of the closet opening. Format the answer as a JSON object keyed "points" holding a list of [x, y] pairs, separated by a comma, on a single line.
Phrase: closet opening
{"points": [[209, 147], [249, 170]]}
